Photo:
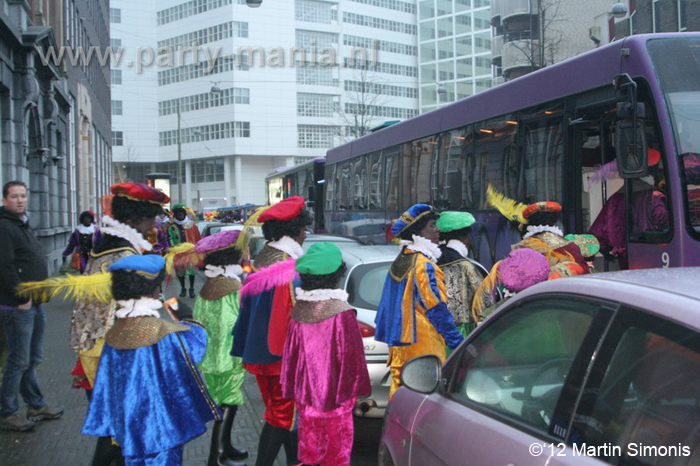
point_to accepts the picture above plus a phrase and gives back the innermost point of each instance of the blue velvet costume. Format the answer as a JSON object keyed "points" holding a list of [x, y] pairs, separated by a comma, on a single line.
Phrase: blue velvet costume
{"points": [[151, 399]]}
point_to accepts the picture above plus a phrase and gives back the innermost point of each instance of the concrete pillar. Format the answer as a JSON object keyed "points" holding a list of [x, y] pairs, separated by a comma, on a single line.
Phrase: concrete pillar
{"points": [[238, 167], [227, 181]]}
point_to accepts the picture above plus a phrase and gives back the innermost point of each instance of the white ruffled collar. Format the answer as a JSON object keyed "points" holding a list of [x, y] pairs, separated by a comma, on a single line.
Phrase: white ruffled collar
{"points": [[186, 223], [424, 246], [458, 246], [288, 245], [535, 229], [138, 308], [321, 295], [231, 271], [83, 230], [120, 230]]}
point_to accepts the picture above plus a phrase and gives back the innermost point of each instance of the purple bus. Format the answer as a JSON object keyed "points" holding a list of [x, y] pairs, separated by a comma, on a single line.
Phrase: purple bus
{"points": [[544, 136]]}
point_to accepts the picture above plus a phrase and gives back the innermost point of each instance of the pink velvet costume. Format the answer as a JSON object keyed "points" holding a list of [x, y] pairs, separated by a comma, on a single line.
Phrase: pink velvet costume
{"points": [[324, 371]]}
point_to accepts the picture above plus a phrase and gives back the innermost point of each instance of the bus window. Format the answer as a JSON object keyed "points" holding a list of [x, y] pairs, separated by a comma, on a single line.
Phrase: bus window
{"points": [[543, 161], [344, 186], [375, 181], [391, 182], [495, 146], [423, 153], [408, 195], [455, 188], [359, 183], [330, 186], [301, 185]]}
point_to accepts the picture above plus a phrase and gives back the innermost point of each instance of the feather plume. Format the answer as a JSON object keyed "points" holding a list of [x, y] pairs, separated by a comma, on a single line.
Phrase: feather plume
{"points": [[249, 228], [182, 256], [270, 277], [509, 208], [484, 293], [604, 173], [71, 287]]}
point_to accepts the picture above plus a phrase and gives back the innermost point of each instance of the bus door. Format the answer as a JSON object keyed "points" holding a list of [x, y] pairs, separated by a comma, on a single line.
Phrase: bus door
{"points": [[595, 155]]}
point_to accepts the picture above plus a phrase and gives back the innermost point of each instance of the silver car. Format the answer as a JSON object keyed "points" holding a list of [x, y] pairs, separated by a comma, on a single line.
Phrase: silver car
{"points": [[364, 281]]}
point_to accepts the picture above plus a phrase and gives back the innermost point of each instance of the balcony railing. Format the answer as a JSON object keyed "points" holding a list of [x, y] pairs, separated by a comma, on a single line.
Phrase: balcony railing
{"points": [[521, 54], [496, 47], [510, 8]]}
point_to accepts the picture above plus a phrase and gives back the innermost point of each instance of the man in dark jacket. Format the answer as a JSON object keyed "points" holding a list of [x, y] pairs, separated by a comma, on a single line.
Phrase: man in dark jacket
{"points": [[22, 260]]}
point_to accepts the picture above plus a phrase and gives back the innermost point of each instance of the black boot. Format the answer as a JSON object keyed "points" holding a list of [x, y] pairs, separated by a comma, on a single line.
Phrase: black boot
{"points": [[291, 443], [183, 292], [271, 439], [231, 452], [106, 452], [217, 453], [192, 293]]}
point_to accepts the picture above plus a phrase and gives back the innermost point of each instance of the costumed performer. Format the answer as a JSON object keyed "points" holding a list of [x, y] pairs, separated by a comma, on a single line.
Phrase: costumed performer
{"points": [[261, 330], [81, 241], [130, 216], [181, 230], [412, 317], [324, 368], [521, 269], [462, 275], [149, 396], [217, 308]]}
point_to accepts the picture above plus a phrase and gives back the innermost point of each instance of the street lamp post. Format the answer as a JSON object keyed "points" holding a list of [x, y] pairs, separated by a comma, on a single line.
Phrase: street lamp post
{"points": [[179, 156]]}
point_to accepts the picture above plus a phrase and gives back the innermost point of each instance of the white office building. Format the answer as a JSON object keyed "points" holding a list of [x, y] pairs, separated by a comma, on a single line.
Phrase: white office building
{"points": [[454, 50], [268, 87]]}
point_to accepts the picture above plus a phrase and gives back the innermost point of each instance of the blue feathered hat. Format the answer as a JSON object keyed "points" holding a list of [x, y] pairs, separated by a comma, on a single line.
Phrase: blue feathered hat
{"points": [[410, 217], [148, 266]]}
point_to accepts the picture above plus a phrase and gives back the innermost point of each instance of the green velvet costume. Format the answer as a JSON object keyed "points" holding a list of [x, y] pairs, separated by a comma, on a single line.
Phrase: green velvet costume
{"points": [[217, 309]]}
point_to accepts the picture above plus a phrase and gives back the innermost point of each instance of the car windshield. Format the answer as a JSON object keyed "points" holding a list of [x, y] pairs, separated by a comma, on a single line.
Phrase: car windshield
{"points": [[677, 64], [365, 284]]}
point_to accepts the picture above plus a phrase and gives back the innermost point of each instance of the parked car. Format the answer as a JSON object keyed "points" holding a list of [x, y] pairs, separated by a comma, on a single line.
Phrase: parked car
{"points": [[364, 281], [593, 370], [216, 227]]}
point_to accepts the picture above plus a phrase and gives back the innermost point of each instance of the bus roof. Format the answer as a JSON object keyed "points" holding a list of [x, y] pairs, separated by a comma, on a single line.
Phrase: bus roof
{"points": [[289, 169], [589, 70]]}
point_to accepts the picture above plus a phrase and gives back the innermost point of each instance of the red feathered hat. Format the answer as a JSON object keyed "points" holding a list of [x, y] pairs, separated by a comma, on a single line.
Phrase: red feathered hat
{"points": [[140, 192], [285, 210], [546, 206]]}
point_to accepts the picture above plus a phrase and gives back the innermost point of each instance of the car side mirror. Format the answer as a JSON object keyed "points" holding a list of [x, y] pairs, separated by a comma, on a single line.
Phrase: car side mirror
{"points": [[422, 374]]}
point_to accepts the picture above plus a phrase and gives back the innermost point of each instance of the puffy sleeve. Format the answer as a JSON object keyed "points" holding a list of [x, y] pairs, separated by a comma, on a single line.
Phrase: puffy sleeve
{"points": [[430, 288], [282, 304], [72, 244]]}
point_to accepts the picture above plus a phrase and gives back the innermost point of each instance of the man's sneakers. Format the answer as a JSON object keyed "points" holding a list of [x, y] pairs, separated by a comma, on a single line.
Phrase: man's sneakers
{"points": [[43, 413], [17, 422]]}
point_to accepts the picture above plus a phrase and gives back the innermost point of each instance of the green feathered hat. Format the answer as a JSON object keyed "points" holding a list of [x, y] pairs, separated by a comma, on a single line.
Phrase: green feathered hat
{"points": [[320, 259]]}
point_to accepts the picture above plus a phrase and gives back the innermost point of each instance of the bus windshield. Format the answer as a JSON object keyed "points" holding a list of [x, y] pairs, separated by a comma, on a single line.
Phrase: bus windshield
{"points": [[677, 65]]}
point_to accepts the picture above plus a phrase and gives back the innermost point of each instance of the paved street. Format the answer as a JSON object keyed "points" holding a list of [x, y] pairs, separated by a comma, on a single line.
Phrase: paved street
{"points": [[60, 442]]}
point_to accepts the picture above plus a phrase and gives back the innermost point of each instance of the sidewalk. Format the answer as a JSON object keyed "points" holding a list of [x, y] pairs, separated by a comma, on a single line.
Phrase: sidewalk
{"points": [[58, 443]]}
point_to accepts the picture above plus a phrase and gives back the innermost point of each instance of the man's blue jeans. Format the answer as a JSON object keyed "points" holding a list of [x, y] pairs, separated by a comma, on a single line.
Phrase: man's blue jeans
{"points": [[24, 331]]}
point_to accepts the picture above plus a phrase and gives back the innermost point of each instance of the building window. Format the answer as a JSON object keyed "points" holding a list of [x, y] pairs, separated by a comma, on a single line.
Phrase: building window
{"points": [[315, 12], [682, 15], [117, 108], [315, 105], [207, 171], [316, 137], [115, 44], [241, 95], [116, 76], [657, 16], [115, 15], [117, 138]]}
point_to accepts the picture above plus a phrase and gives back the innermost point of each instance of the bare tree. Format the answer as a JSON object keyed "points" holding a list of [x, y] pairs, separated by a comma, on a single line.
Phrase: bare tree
{"points": [[547, 28], [362, 106], [130, 156]]}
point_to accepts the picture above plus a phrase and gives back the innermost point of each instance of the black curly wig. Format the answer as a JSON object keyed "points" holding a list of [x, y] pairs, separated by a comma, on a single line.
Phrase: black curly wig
{"points": [[124, 209], [415, 229], [274, 230], [222, 257], [322, 282], [130, 285], [86, 214], [544, 218], [456, 234]]}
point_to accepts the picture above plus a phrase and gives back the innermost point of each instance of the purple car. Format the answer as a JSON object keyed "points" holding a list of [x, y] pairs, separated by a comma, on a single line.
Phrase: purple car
{"points": [[601, 369]]}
